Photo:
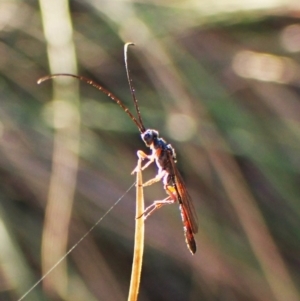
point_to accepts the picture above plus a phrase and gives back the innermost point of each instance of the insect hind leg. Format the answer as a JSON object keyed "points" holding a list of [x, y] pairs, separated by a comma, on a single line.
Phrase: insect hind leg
{"points": [[156, 205]]}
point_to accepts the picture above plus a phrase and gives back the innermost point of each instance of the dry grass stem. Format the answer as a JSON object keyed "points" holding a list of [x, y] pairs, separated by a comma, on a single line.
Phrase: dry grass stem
{"points": [[138, 239]]}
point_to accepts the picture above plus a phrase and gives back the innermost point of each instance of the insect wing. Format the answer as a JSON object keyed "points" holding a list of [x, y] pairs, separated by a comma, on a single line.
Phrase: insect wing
{"points": [[184, 198]]}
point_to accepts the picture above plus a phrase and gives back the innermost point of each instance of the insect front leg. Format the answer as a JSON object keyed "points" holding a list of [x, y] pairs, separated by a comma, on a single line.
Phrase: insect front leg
{"points": [[141, 155]]}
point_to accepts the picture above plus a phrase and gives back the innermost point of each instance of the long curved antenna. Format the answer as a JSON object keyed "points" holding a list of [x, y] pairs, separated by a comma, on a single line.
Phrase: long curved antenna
{"points": [[100, 88], [132, 90]]}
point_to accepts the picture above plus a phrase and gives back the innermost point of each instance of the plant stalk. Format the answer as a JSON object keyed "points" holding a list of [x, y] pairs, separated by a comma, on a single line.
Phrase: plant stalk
{"points": [[138, 239]]}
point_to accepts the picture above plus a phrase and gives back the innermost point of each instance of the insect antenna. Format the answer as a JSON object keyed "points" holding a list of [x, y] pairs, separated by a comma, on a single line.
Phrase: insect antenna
{"points": [[132, 90], [138, 123]]}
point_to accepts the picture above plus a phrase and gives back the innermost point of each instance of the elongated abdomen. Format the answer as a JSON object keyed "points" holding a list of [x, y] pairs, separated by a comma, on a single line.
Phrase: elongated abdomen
{"points": [[188, 233]]}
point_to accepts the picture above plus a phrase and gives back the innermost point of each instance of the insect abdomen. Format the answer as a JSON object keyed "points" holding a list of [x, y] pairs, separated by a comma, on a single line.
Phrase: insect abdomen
{"points": [[188, 233]]}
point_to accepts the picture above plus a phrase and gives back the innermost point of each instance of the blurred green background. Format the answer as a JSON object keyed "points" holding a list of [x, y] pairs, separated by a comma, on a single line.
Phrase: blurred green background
{"points": [[220, 80]]}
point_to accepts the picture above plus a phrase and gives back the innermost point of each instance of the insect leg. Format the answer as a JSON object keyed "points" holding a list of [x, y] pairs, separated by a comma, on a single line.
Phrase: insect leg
{"points": [[157, 178], [156, 205], [142, 155], [170, 199]]}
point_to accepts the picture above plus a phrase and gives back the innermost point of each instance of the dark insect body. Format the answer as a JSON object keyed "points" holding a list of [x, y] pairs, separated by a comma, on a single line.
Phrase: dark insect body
{"points": [[165, 158]]}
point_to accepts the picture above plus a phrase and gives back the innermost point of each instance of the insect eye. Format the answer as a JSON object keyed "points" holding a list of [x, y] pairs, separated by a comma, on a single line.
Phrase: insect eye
{"points": [[147, 136]]}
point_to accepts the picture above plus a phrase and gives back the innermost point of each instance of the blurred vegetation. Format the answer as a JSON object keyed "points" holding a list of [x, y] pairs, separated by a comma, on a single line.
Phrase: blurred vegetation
{"points": [[220, 81]]}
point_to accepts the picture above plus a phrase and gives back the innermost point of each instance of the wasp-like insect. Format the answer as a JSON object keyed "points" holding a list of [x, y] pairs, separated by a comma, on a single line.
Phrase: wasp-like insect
{"points": [[164, 156]]}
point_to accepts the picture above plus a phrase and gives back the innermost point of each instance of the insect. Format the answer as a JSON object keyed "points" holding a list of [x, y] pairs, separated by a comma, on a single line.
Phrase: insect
{"points": [[164, 156]]}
